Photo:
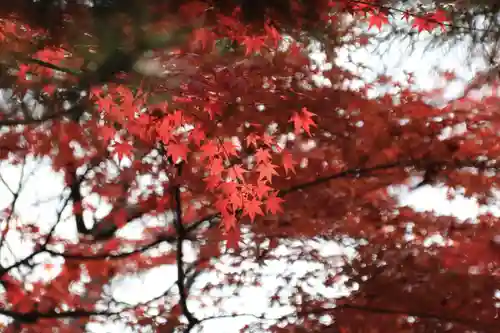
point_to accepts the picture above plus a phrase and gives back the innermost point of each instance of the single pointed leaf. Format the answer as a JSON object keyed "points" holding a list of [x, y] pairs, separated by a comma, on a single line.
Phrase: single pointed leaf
{"points": [[273, 204], [267, 171]]}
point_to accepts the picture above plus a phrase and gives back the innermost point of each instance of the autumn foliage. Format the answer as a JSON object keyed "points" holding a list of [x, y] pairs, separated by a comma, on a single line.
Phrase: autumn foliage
{"points": [[203, 128]]}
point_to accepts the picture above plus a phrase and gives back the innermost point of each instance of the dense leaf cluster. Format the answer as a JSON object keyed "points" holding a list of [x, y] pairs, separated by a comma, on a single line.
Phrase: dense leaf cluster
{"points": [[197, 135]]}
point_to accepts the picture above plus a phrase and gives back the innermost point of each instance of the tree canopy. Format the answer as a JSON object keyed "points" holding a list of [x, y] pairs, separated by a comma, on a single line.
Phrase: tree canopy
{"points": [[197, 134]]}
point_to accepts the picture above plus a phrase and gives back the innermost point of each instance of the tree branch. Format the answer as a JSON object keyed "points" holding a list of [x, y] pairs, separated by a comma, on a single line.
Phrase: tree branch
{"points": [[354, 172], [32, 317], [366, 171], [52, 66], [111, 256], [181, 237], [77, 199]]}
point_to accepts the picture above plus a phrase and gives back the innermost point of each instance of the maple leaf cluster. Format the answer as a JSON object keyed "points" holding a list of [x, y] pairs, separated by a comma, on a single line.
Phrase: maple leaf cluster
{"points": [[229, 146]]}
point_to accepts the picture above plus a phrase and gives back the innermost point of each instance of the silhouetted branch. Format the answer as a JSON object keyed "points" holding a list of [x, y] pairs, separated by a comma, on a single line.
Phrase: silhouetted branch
{"points": [[77, 199], [112, 256], [32, 317], [15, 195], [354, 172], [181, 274], [39, 249], [52, 66], [368, 171]]}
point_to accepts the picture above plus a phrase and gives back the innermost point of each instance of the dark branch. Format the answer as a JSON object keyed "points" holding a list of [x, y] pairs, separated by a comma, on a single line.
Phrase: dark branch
{"points": [[181, 237], [77, 199], [368, 171], [112, 256], [33, 316], [354, 172]]}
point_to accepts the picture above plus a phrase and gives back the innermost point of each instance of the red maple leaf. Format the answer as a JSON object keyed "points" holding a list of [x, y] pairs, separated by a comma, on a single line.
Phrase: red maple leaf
{"points": [[378, 20], [229, 149], [212, 181], [122, 149], [262, 156], [441, 17], [251, 139], [203, 37], [222, 205], [273, 34], [236, 172], [273, 204], [422, 23], [253, 44], [229, 187], [197, 135], [268, 139], [252, 209], [406, 15], [216, 166], [107, 133], [209, 150], [303, 121], [177, 151], [288, 162], [266, 171], [262, 189], [213, 109]]}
